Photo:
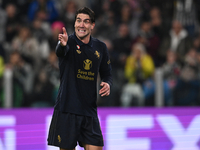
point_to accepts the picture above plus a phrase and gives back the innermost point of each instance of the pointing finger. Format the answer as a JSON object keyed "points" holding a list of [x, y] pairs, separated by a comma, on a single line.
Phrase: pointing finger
{"points": [[64, 31]]}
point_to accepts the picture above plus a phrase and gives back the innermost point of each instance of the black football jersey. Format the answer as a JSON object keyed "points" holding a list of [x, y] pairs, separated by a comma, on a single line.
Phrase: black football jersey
{"points": [[79, 66]]}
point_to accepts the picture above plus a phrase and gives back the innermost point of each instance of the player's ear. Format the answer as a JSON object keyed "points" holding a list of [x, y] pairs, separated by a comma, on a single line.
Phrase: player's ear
{"points": [[93, 25]]}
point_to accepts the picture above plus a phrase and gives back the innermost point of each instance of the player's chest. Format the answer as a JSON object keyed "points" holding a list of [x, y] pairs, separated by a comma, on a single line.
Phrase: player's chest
{"points": [[86, 56]]}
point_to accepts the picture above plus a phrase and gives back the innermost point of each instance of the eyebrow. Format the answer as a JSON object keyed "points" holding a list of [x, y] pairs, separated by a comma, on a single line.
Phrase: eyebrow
{"points": [[83, 20]]}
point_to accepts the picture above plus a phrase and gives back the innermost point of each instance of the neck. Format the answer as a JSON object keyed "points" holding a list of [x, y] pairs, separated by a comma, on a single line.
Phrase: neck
{"points": [[85, 39]]}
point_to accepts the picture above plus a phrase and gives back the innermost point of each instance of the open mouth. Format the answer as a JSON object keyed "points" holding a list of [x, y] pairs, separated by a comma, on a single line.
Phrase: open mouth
{"points": [[81, 31]]}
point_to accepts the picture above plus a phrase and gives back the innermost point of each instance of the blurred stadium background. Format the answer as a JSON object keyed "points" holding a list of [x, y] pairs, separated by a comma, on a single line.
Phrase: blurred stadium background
{"points": [[154, 49]]}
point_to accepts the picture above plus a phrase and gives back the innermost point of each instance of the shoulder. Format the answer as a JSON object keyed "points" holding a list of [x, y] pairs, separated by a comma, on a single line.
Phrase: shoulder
{"points": [[71, 39], [71, 36], [98, 42], [99, 45]]}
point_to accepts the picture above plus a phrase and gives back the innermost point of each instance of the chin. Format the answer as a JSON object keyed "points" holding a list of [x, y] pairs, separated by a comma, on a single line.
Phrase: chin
{"points": [[83, 36]]}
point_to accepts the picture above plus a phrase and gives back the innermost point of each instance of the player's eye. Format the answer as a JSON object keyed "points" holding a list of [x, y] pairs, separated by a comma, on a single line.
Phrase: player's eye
{"points": [[78, 20], [86, 21]]}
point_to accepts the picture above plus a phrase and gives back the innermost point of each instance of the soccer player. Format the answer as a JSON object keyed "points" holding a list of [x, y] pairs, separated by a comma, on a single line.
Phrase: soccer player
{"points": [[81, 58]]}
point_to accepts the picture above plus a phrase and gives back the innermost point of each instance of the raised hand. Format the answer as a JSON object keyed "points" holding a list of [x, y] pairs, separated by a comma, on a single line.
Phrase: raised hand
{"points": [[63, 38], [105, 90]]}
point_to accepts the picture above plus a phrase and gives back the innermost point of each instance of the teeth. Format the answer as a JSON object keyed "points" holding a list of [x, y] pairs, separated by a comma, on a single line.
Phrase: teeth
{"points": [[81, 31]]}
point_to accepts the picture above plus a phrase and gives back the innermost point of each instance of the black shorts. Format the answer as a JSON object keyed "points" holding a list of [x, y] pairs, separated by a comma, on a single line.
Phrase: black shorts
{"points": [[67, 129]]}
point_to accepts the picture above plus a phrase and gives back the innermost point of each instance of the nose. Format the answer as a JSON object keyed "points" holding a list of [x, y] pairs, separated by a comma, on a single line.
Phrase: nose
{"points": [[82, 24]]}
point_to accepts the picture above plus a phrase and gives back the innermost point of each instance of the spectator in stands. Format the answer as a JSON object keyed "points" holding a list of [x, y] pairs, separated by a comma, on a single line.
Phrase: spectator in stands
{"points": [[139, 68], [131, 15], [171, 73], [68, 16], [56, 28], [96, 6], [122, 44], [53, 73], [139, 9], [42, 25], [21, 5], [44, 10], [115, 7], [28, 47], [157, 22], [177, 40], [43, 91], [121, 50], [38, 32], [22, 80], [185, 12], [187, 88], [126, 14], [47, 81], [12, 22], [119, 22], [106, 26], [149, 39], [166, 9], [40, 29]]}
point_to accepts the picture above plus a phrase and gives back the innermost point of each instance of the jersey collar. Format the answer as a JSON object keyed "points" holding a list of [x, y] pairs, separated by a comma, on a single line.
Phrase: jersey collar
{"points": [[80, 43]]}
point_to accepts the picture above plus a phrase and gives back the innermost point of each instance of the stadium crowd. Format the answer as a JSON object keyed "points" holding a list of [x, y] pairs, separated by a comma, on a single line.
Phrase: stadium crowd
{"points": [[141, 36]]}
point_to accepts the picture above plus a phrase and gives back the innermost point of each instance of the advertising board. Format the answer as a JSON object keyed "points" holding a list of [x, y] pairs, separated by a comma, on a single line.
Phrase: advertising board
{"points": [[123, 128]]}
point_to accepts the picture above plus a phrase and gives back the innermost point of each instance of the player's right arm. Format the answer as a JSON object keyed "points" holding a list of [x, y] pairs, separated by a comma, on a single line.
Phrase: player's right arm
{"points": [[62, 48]]}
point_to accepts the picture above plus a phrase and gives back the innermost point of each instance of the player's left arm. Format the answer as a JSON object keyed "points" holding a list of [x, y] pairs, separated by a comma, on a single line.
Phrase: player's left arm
{"points": [[105, 74]]}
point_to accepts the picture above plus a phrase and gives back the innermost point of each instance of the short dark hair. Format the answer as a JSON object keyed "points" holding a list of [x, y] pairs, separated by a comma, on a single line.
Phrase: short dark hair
{"points": [[88, 11]]}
